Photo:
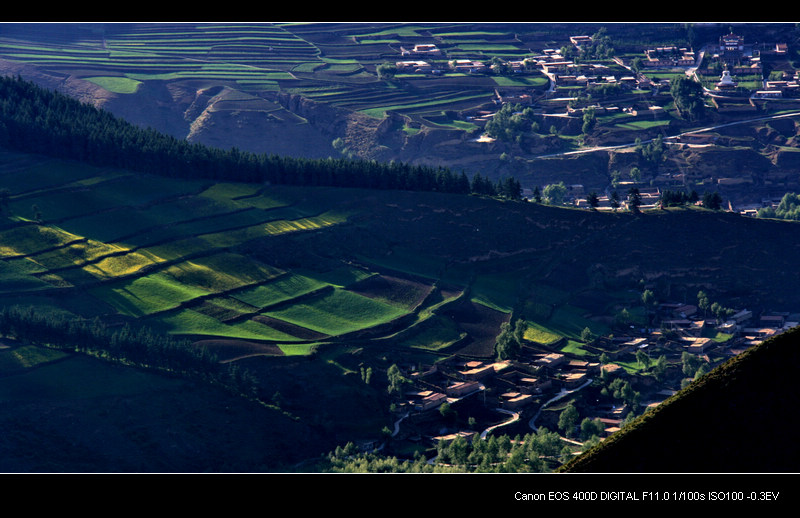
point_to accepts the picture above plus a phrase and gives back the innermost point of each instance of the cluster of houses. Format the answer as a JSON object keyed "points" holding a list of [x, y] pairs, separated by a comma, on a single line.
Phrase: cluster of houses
{"points": [[420, 60], [456, 379], [668, 57], [540, 374], [424, 58], [743, 328], [649, 197], [514, 387], [738, 58], [751, 209]]}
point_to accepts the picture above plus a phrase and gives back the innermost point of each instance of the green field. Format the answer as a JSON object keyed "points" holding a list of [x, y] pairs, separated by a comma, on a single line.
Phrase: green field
{"points": [[196, 259], [313, 60], [338, 312]]}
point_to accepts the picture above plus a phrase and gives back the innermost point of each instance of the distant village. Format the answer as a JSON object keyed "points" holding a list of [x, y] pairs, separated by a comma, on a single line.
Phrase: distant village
{"points": [[732, 55], [738, 57]]}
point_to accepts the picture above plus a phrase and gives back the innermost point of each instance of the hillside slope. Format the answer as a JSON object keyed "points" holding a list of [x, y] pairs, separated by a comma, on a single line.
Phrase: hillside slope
{"points": [[313, 90], [318, 291], [739, 418]]}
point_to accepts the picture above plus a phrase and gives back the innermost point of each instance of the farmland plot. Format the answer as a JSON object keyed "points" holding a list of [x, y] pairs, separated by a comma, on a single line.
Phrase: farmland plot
{"points": [[194, 259], [338, 312]]}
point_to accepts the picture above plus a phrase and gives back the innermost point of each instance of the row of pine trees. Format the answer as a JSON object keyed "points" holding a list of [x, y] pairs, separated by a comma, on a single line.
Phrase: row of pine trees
{"points": [[133, 345], [37, 120]]}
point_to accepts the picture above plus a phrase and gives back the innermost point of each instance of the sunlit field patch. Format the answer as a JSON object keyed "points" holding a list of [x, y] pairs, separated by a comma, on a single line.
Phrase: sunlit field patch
{"points": [[337, 312]]}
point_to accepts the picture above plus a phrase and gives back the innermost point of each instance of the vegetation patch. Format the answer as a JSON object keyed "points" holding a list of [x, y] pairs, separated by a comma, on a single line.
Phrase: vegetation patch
{"points": [[220, 272], [279, 290], [338, 312], [434, 334], [393, 290], [482, 325], [497, 291], [17, 358], [147, 294], [540, 334], [227, 350], [194, 323], [120, 85]]}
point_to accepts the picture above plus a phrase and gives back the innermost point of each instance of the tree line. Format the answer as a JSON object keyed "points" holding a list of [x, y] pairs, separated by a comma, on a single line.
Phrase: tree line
{"points": [[788, 208], [36, 120], [534, 452], [139, 346]]}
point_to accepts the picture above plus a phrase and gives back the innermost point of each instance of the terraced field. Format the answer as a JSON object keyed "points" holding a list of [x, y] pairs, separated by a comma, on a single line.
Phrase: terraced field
{"points": [[319, 60], [193, 259]]}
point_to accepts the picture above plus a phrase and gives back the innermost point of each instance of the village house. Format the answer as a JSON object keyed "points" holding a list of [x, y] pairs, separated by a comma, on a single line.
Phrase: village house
{"points": [[698, 345], [573, 380], [430, 401], [572, 80], [550, 361], [684, 311], [462, 388], [729, 326], [531, 385], [518, 66], [467, 66], [768, 94], [421, 50], [562, 66], [669, 57], [584, 366], [610, 425], [787, 88], [633, 344], [698, 326], [478, 370], [676, 323], [613, 369], [414, 66], [580, 40], [742, 316], [515, 400], [525, 383], [652, 112], [477, 373], [430, 371], [758, 333], [596, 108], [772, 321]]}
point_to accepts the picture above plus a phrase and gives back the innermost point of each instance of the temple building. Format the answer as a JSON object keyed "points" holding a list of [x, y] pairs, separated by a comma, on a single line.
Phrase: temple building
{"points": [[731, 47]]}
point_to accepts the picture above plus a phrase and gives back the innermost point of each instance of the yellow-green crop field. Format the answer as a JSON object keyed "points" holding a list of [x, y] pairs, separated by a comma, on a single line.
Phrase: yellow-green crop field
{"points": [[182, 256]]}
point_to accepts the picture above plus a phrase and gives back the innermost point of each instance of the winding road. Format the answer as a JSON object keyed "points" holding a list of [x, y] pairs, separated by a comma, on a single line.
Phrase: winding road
{"points": [[558, 396], [672, 137]]}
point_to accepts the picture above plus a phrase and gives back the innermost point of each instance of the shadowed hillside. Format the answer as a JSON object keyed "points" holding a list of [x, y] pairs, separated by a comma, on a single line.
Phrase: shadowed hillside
{"points": [[739, 418]]}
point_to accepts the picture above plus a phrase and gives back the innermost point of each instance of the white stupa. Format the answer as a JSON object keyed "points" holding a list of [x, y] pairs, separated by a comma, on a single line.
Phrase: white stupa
{"points": [[726, 81]]}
